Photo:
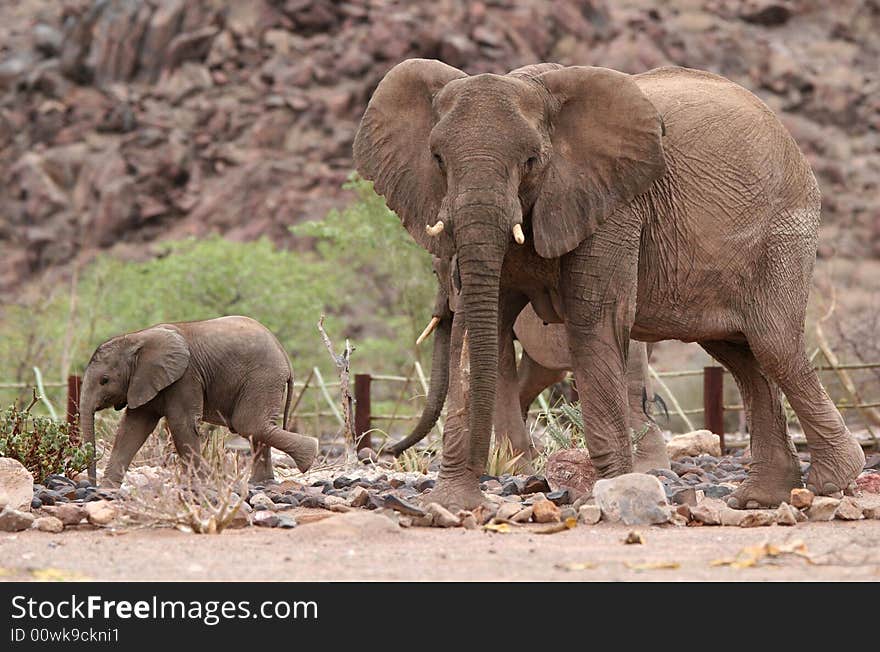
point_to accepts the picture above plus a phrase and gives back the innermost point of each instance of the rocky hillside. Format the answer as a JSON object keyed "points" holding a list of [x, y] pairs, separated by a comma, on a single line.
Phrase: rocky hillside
{"points": [[127, 121]]}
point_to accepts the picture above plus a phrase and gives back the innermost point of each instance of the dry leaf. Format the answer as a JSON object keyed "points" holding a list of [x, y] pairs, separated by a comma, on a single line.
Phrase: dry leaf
{"points": [[577, 566], [753, 555], [553, 528], [501, 528], [57, 575], [653, 565], [634, 537]]}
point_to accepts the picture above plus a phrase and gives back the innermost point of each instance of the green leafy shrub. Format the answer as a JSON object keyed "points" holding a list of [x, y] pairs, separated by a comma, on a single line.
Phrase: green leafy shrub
{"points": [[44, 446]]}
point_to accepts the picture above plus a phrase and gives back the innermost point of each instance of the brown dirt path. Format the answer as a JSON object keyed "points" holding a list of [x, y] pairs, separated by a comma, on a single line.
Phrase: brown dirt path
{"points": [[374, 551]]}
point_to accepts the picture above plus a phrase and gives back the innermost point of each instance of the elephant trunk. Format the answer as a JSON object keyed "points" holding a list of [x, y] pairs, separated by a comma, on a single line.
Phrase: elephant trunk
{"points": [[480, 257], [87, 408], [437, 390]]}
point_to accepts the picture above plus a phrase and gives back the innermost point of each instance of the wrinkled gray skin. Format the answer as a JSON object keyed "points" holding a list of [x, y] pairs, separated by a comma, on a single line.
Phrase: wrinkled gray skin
{"points": [[545, 361], [229, 371], [671, 204]]}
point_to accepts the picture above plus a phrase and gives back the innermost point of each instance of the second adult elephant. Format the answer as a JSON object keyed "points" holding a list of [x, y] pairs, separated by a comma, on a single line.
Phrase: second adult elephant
{"points": [[545, 360]]}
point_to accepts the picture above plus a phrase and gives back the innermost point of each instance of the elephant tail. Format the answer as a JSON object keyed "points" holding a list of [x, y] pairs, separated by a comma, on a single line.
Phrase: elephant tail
{"points": [[287, 400]]}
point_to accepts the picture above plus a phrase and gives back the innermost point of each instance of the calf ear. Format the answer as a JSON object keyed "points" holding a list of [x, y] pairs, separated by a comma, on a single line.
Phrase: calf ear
{"points": [[606, 150], [162, 355]]}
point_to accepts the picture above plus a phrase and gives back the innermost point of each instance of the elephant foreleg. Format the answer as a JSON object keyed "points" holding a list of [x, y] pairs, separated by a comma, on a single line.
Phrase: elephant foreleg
{"points": [[261, 469], [135, 427]]}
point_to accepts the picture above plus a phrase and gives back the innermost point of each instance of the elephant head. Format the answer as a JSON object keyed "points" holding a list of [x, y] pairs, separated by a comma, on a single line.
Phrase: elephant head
{"points": [[474, 165], [128, 371]]}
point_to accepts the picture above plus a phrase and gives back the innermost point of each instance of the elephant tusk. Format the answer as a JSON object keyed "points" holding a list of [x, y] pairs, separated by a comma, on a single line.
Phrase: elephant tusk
{"points": [[435, 230], [518, 234], [428, 329]]}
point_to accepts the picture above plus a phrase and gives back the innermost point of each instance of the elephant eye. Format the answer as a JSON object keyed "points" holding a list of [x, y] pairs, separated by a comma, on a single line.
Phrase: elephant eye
{"points": [[531, 162], [439, 160], [104, 380]]}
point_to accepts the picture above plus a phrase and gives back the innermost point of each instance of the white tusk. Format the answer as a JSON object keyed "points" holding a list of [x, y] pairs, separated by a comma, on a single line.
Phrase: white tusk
{"points": [[429, 328], [518, 234], [435, 230]]}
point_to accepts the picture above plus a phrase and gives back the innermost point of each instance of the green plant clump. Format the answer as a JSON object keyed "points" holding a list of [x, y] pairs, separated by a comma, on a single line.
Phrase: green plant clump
{"points": [[45, 447]]}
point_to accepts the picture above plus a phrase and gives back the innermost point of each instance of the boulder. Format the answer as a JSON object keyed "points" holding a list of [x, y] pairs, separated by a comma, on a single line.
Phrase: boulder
{"points": [[572, 469], [869, 483], [634, 498], [16, 484], [694, 443]]}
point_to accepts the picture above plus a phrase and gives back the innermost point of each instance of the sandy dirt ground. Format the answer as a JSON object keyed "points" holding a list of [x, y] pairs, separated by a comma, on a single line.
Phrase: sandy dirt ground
{"points": [[367, 549]]}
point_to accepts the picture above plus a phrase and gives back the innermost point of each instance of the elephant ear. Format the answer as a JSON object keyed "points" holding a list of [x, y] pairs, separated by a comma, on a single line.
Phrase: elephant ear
{"points": [[391, 146], [606, 150], [162, 357]]}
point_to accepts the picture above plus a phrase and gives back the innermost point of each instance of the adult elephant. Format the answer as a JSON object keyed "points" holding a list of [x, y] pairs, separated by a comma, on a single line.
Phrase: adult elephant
{"points": [[671, 204], [545, 360]]}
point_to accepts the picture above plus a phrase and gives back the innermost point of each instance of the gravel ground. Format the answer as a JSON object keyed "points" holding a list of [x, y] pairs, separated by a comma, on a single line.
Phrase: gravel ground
{"points": [[370, 550]]}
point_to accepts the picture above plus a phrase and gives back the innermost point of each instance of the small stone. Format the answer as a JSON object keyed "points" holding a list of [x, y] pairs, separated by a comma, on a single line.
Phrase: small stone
{"points": [[536, 483], [422, 521], [822, 508], [402, 506], [261, 502], [342, 482], [368, 456], [16, 484], [732, 517], [786, 515], [100, 512], [589, 514], [801, 498], [634, 498], [358, 497], [36, 503], [872, 513], [513, 487], [404, 521], [717, 491], [545, 511], [692, 444], [634, 537], [12, 520], [266, 518], [286, 521], [758, 518], [706, 513], [560, 497], [485, 513], [687, 496], [506, 511], [467, 520], [848, 510], [524, 515], [424, 484], [442, 516], [68, 513], [48, 524]]}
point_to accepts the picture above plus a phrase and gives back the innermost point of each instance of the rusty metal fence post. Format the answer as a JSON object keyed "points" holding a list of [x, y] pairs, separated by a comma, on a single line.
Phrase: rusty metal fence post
{"points": [[362, 410], [74, 384], [713, 401]]}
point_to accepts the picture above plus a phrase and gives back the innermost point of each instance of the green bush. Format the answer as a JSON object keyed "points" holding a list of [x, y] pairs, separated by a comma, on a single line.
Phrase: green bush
{"points": [[44, 446], [363, 271]]}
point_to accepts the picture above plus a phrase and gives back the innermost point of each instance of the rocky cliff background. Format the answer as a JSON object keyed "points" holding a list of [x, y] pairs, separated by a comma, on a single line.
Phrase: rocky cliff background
{"points": [[123, 122]]}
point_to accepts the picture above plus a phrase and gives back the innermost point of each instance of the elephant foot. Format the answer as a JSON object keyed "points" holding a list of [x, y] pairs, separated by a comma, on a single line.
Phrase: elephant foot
{"points": [[766, 487], [460, 492], [612, 465], [307, 451], [833, 468], [650, 452]]}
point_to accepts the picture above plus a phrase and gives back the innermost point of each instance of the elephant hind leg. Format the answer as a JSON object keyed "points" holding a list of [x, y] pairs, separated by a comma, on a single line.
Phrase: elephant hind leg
{"points": [[261, 470], [775, 468], [301, 448], [836, 458]]}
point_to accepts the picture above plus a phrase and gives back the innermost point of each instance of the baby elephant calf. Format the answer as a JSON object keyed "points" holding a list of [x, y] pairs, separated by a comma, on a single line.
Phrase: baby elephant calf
{"points": [[229, 371]]}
